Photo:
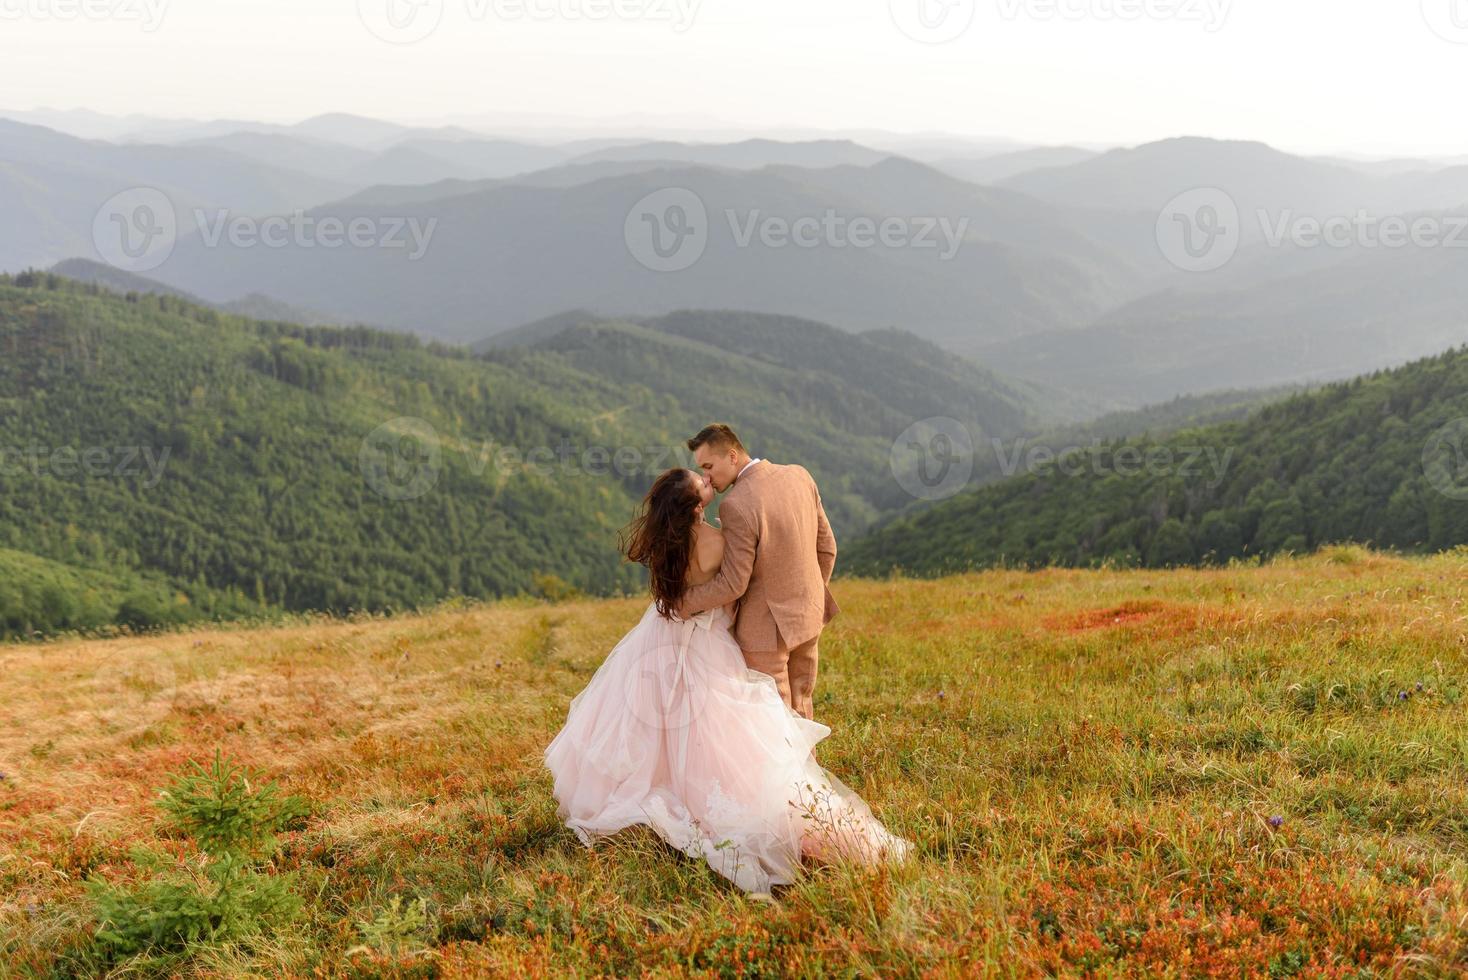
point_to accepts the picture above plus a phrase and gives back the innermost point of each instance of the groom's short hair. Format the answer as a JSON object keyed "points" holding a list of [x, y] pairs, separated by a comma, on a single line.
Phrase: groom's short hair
{"points": [[716, 436]]}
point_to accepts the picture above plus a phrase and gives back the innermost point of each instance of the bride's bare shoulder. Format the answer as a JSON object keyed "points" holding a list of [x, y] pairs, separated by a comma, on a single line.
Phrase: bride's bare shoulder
{"points": [[708, 548]]}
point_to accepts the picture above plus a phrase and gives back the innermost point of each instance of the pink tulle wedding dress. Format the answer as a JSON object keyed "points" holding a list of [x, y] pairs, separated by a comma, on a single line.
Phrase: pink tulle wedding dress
{"points": [[676, 733]]}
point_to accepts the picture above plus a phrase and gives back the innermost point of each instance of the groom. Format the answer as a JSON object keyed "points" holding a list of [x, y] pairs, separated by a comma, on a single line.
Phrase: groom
{"points": [[778, 556]]}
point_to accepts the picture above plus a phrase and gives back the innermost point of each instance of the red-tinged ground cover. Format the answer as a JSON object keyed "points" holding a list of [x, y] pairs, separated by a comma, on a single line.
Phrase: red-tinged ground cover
{"points": [[1251, 771]]}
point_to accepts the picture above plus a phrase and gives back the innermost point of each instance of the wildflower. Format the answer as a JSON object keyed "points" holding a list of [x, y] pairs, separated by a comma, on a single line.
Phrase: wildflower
{"points": [[941, 695], [1276, 821], [1402, 695]]}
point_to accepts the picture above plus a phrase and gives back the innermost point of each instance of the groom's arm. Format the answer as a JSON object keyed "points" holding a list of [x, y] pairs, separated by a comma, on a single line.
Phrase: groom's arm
{"points": [[740, 542], [825, 541]]}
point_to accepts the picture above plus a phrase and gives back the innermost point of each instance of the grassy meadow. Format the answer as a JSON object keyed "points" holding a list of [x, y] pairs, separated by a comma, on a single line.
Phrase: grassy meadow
{"points": [[1251, 771]]}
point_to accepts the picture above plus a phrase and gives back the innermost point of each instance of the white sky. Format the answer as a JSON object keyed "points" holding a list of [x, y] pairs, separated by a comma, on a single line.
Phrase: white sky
{"points": [[1369, 76]]}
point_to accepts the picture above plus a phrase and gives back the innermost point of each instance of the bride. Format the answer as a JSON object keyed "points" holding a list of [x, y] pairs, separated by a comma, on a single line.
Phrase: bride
{"points": [[674, 732]]}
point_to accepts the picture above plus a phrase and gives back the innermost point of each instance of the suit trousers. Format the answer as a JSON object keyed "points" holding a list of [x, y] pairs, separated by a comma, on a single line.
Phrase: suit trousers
{"points": [[794, 670]]}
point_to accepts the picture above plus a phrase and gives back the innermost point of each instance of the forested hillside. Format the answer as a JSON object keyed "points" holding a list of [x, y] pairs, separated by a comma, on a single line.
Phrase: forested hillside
{"points": [[200, 464], [1381, 460]]}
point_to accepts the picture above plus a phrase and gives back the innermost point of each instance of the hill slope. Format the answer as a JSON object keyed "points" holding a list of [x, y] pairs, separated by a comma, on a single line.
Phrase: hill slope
{"points": [[337, 468], [1382, 459], [1254, 771]]}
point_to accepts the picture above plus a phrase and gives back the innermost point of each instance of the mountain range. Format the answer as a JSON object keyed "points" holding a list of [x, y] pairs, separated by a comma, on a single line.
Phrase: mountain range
{"points": [[1046, 263]]}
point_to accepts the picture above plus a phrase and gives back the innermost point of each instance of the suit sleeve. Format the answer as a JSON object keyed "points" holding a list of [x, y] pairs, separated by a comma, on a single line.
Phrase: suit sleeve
{"points": [[740, 542], [825, 539]]}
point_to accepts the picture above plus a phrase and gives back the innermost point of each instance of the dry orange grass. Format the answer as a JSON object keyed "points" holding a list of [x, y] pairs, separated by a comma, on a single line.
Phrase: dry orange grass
{"points": [[1089, 762]]}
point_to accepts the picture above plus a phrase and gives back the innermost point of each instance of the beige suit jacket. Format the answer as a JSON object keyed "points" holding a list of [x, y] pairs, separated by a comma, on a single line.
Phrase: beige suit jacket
{"points": [[779, 553]]}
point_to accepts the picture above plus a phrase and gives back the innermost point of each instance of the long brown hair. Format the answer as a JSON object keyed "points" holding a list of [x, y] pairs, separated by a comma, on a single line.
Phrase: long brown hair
{"points": [[661, 536]]}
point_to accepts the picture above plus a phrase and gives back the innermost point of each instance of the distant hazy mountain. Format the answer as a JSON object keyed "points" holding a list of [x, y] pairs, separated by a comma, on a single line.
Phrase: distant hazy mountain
{"points": [[333, 127], [1146, 177], [989, 170], [332, 161], [513, 253], [52, 186], [1374, 309], [569, 175], [118, 280], [1256, 176], [746, 155], [360, 131], [1398, 165], [411, 162], [83, 123]]}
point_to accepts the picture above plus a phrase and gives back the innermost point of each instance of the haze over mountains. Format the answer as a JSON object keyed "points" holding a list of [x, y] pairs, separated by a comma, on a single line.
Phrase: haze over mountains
{"points": [[1044, 263]]}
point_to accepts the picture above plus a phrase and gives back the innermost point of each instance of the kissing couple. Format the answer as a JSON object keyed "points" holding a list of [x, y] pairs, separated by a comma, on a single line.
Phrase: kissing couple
{"points": [[699, 723]]}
